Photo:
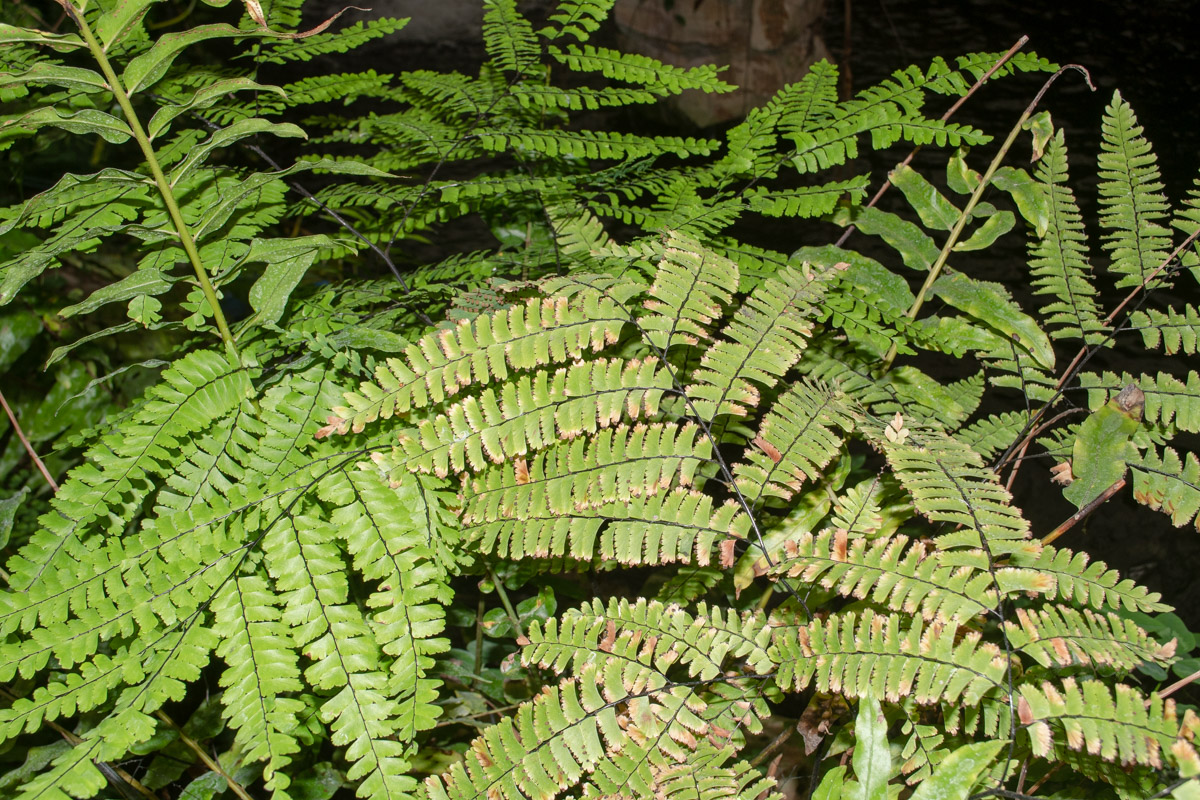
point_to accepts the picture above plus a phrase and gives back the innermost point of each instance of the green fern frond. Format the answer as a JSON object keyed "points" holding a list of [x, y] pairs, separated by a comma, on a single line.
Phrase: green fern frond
{"points": [[483, 350], [799, 436], [1131, 198], [994, 433], [1087, 583], [509, 38], [578, 18], [691, 287], [1058, 260], [281, 51], [900, 575], [1173, 331], [635, 68], [614, 466], [1168, 483], [1116, 727], [950, 484], [653, 634], [590, 144], [884, 656], [809, 201], [761, 343], [1169, 400], [534, 411], [1060, 636]]}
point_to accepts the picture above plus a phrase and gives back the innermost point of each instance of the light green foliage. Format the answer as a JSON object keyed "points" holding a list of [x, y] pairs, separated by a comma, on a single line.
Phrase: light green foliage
{"points": [[351, 519]]}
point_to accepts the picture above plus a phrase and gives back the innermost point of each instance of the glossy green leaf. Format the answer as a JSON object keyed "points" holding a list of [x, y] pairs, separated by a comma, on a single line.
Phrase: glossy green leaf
{"points": [[118, 19], [203, 99], [1103, 445], [989, 303], [872, 758], [996, 226], [864, 271], [227, 136], [145, 70], [916, 248], [1028, 194], [931, 206], [87, 120], [959, 177], [77, 78], [287, 260], [11, 34], [832, 784], [955, 775], [141, 282]]}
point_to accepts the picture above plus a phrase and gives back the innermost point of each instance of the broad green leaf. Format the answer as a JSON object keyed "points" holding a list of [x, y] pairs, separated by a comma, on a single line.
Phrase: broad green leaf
{"points": [[287, 260], [61, 352], [87, 120], [84, 80], [989, 303], [934, 210], [145, 70], [11, 34], [917, 250], [203, 99], [996, 226], [832, 784], [18, 329], [959, 177], [872, 758], [956, 775], [8, 510], [1028, 194], [141, 282], [119, 19], [228, 135], [14, 276], [1103, 445]]}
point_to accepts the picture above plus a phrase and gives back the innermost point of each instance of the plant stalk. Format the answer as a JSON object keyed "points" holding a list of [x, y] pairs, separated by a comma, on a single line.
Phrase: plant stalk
{"points": [[936, 270], [160, 179]]}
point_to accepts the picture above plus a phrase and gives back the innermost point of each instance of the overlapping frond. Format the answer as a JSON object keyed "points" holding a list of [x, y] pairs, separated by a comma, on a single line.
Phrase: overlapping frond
{"points": [[1061, 636]]}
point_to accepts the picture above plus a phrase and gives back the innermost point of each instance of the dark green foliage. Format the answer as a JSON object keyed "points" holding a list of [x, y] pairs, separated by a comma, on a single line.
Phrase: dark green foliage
{"points": [[285, 551]]}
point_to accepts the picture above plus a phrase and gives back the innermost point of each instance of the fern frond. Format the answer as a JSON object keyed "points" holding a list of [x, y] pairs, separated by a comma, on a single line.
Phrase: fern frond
{"points": [[900, 575], [653, 634], [483, 350], [950, 484], [1169, 401], [590, 144], [509, 38], [1116, 727], [534, 411], [578, 18], [1083, 582], [1133, 206], [796, 440], [993, 433], [1168, 483], [878, 654], [1060, 636], [1173, 331], [761, 343], [809, 201], [1058, 260], [281, 51], [614, 466], [636, 68], [691, 286]]}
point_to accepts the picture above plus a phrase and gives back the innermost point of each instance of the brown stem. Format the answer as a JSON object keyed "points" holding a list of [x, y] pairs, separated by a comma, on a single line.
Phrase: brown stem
{"points": [[25, 441], [1177, 685], [1071, 521]]}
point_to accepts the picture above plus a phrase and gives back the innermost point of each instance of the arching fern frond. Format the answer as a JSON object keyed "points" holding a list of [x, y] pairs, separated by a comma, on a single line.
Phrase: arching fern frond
{"points": [[1060, 636], [1168, 482]]}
